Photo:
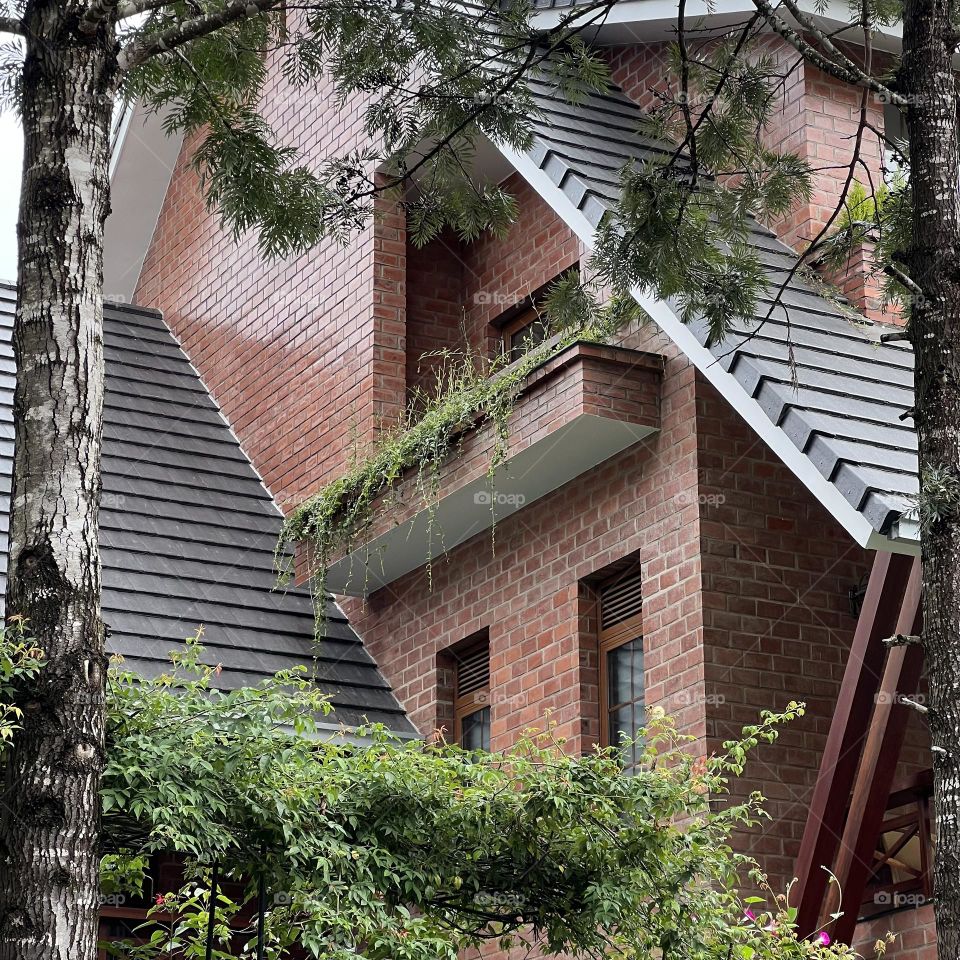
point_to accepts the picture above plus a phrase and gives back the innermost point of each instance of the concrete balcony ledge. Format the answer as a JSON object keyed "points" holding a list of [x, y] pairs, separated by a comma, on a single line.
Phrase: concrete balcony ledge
{"points": [[575, 411]]}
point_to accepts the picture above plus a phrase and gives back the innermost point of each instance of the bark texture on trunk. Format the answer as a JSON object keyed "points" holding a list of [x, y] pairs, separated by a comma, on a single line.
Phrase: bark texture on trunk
{"points": [[49, 816], [934, 261]]}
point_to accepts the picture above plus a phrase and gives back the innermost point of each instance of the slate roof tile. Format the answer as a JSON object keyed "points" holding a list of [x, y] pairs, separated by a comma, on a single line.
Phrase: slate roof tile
{"points": [[847, 409], [188, 531]]}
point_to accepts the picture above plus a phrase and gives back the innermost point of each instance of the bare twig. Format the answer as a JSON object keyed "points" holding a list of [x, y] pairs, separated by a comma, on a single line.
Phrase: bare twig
{"points": [[892, 270], [902, 640]]}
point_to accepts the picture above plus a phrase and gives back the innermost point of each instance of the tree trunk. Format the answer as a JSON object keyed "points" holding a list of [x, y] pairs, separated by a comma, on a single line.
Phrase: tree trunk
{"points": [[49, 831], [934, 260]]}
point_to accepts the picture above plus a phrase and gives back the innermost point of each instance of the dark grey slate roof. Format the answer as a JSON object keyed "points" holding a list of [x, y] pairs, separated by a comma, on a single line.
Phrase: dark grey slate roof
{"points": [[188, 530], [851, 391]]}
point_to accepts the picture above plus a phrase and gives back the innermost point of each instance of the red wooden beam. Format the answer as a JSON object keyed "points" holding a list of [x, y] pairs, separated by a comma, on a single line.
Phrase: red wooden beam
{"points": [[878, 766], [848, 730]]}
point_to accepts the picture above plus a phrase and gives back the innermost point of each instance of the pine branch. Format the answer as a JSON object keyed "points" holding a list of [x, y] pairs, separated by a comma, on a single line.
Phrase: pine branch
{"points": [[845, 70], [139, 51], [821, 234], [11, 25]]}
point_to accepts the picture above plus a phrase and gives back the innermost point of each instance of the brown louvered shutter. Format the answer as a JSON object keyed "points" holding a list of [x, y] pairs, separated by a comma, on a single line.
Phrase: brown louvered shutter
{"points": [[471, 707], [622, 704], [473, 671], [620, 601]]}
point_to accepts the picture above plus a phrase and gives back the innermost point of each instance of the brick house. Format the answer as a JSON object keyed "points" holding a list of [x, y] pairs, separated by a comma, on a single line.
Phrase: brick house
{"points": [[677, 524]]}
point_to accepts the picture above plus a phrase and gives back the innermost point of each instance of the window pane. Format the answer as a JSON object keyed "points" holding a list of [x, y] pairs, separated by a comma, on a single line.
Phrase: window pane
{"points": [[625, 673], [625, 695], [475, 730], [528, 337]]}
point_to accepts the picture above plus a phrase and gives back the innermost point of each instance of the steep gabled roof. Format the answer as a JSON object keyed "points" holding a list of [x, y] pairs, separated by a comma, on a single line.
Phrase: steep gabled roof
{"points": [[843, 428], [188, 531]]}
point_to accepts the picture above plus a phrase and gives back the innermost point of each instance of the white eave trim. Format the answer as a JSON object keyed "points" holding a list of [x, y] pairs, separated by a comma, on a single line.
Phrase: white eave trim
{"points": [[637, 21], [141, 165], [904, 540]]}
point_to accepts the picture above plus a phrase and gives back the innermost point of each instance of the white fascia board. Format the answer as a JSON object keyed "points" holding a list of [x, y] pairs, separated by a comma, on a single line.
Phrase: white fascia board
{"points": [[141, 166], [663, 315], [636, 21]]}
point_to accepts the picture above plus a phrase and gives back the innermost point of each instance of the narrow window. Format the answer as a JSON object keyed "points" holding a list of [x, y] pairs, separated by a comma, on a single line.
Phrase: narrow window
{"points": [[895, 140], [471, 706], [621, 664], [526, 331], [525, 325]]}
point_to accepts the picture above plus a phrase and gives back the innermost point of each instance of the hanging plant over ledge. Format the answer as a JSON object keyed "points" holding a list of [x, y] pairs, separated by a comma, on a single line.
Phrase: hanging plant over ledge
{"points": [[472, 394]]}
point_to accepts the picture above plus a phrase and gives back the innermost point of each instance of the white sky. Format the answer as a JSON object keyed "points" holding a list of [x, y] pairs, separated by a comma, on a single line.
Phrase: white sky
{"points": [[11, 156]]}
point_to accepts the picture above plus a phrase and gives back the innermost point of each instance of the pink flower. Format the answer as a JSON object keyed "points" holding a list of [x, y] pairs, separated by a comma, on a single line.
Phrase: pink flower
{"points": [[823, 938], [158, 900], [749, 914]]}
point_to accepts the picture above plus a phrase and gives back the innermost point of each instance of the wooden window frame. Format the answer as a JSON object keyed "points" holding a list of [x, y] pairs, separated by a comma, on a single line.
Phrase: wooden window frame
{"points": [[527, 311], [609, 640], [527, 318], [467, 706]]}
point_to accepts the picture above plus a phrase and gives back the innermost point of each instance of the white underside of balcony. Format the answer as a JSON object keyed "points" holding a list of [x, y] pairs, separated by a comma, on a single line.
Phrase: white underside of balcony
{"points": [[524, 478]]}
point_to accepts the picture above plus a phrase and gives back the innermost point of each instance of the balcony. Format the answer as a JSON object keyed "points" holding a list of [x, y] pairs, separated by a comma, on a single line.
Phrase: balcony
{"points": [[582, 407]]}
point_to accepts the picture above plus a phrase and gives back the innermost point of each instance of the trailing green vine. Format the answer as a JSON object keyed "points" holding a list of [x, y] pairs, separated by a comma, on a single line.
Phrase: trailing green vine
{"points": [[472, 393]]}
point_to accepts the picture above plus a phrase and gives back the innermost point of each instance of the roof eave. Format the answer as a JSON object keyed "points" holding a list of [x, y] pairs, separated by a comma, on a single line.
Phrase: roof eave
{"points": [[638, 21], [141, 167], [903, 538]]}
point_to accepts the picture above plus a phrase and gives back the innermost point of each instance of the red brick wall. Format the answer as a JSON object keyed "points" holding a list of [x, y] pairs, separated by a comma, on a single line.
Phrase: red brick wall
{"points": [[777, 626], [300, 353], [455, 290], [913, 931], [436, 318], [530, 592], [500, 272]]}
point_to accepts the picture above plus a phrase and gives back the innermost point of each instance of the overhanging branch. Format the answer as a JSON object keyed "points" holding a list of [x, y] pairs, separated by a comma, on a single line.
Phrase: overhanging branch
{"points": [[134, 8], [139, 51], [843, 68]]}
